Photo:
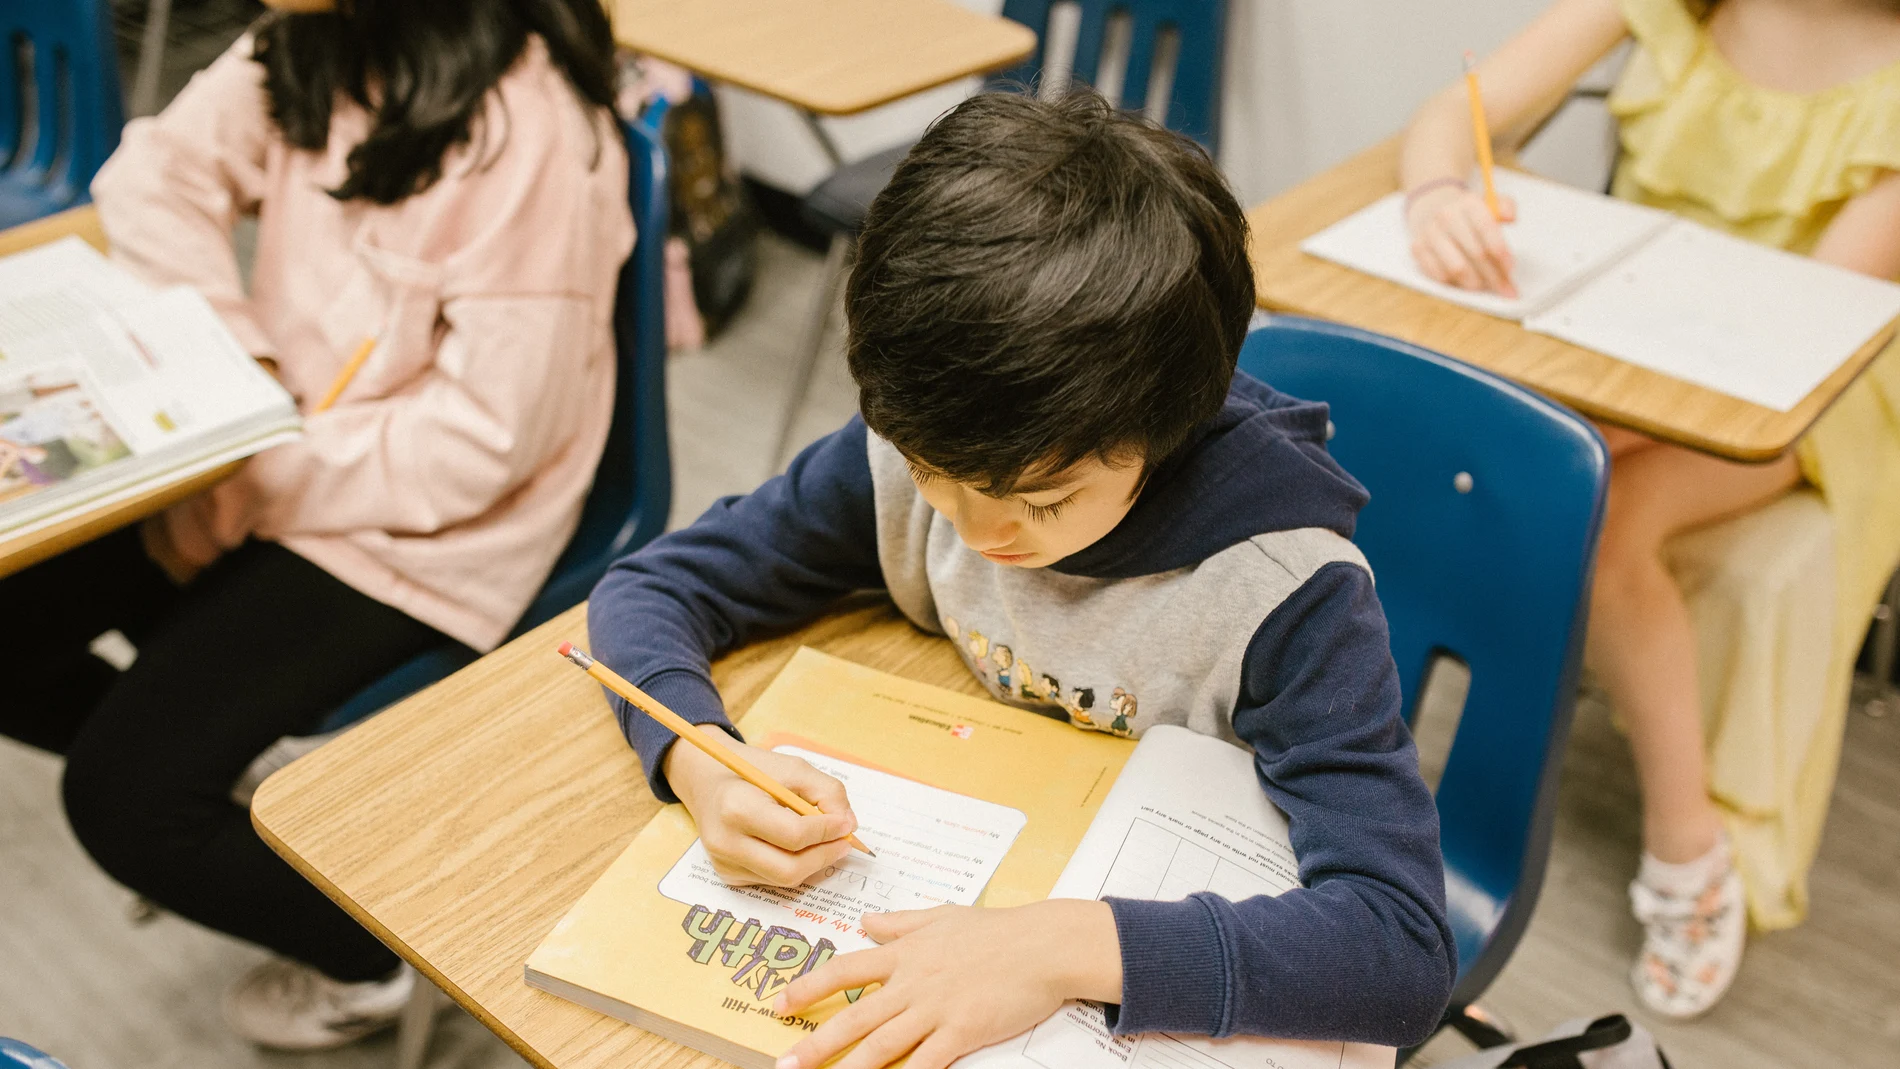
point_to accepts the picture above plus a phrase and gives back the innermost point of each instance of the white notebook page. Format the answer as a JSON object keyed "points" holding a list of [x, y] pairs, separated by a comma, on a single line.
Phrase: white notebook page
{"points": [[1727, 314], [933, 848], [1187, 814], [1561, 237]]}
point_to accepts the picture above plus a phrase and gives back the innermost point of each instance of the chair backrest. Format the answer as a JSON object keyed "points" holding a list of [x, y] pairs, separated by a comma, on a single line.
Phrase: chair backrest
{"points": [[60, 109], [1481, 533], [633, 485], [17, 1055], [1174, 55]]}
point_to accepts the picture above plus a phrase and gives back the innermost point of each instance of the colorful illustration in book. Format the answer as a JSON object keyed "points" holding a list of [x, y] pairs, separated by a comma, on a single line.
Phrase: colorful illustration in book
{"points": [[50, 431], [1122, 705]]}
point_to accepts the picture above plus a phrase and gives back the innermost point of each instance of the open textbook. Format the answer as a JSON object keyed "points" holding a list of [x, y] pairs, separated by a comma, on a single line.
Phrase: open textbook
{"points": [[1650, 289], [108, 387], [966, 801]]}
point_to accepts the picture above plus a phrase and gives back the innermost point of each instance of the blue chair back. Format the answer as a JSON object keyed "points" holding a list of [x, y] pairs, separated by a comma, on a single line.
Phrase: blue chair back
{"points": [[633, 484], [60, 109], [17, 1055], [1482, 529], [1193, 100]]}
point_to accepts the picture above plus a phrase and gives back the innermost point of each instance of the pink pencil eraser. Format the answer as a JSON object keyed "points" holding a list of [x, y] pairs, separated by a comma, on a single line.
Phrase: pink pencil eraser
{"points": [[566, 648]]}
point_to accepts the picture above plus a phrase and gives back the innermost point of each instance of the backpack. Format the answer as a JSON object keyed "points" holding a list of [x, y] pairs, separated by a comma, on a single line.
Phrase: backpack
{"points": [[1606, 1043]]}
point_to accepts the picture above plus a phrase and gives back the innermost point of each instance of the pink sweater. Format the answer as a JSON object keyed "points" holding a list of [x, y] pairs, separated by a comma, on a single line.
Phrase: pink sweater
{"points": [[450, 474]]}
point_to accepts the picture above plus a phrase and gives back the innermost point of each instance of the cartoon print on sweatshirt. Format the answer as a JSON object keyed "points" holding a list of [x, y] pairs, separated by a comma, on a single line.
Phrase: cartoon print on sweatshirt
{"points": [[1010, 678]]}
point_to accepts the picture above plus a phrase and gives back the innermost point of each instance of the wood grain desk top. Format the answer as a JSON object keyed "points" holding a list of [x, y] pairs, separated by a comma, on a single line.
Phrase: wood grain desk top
{"points": [[1288, 280], [462, 824], [832, 57], [20, 551]]}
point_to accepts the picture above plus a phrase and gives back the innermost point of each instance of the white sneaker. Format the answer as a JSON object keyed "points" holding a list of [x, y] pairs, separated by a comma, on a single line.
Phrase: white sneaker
{"points": [[1695, 922], [286, 1005]]}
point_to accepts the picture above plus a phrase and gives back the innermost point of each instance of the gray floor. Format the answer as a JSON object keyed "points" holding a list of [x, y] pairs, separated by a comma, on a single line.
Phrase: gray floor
{"points": [[82, 980]]}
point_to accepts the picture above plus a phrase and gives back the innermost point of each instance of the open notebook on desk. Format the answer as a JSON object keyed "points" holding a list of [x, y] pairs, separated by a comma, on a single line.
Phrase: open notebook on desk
{"points": [[109, 388], [966, 801], [1650, 289]]}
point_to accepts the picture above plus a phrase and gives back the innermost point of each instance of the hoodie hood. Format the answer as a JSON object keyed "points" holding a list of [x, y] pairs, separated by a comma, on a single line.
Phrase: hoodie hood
{"points": [[1258, 466]]}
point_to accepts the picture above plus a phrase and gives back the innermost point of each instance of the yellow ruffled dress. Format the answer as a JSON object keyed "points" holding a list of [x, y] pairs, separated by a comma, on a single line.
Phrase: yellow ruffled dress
{"points": [[1781, 597]]}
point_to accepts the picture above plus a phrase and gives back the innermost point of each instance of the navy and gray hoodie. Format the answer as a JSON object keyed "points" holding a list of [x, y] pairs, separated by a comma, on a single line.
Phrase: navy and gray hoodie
{"points": [[1229, 600]]}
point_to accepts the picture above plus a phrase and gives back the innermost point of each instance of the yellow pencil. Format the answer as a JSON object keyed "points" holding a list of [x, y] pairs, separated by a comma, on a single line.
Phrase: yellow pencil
{"points": [[678, 725], [1481, 138], [349, 372]]}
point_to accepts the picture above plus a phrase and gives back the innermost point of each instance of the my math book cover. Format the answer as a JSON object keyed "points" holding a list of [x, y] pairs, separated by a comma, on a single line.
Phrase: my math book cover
{"points": [[965, 801]]}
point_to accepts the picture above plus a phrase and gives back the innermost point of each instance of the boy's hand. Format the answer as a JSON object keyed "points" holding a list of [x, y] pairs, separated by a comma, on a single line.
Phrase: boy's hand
{"points": [[1455, 240], [751, 838], [955, 979]]}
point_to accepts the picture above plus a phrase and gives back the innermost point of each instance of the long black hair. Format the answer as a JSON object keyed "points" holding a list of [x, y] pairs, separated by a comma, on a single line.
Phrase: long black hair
{"points": [[421, 68]]}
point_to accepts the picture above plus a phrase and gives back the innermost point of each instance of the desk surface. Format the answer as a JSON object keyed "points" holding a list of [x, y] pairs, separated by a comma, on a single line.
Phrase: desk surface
{"points": [[462, 824], [833, 57], [1288, 280], [19, 551]]}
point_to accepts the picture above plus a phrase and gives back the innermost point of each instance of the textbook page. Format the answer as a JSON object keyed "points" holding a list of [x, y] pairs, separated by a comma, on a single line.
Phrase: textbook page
{"points": [[1186, 815], [106, 385], [1730, 315], [1562, 237], [933, 848]]}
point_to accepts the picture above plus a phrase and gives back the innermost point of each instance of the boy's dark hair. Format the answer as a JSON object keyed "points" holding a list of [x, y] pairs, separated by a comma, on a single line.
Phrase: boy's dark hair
{"points": [[422, 69], [1044, 282]]}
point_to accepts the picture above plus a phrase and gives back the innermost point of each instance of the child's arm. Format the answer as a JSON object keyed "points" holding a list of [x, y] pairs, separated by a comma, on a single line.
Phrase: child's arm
{"points": [[179, 180], [763, 562], [1454, 238], [1865, 236], [1361, 952]]}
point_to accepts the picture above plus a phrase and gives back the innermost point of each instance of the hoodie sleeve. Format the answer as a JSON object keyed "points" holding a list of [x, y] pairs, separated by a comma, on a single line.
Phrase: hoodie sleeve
{"points": [[761, 562], [1361, 951]]}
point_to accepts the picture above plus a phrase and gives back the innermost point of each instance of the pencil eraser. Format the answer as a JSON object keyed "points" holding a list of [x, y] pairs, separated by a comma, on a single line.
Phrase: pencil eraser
{"points": [[566, 648]]}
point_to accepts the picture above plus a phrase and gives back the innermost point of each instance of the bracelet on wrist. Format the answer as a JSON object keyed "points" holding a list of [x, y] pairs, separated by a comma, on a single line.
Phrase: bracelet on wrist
{"points": [[1417, 191]]}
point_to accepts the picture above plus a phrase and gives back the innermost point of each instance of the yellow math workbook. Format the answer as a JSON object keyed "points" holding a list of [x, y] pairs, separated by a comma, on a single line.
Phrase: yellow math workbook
{"points": [[966, 801]]}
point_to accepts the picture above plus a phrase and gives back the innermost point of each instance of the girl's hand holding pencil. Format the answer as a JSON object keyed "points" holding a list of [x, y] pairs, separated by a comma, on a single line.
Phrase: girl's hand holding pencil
{"points": [[1458, 235], [764, 818]]}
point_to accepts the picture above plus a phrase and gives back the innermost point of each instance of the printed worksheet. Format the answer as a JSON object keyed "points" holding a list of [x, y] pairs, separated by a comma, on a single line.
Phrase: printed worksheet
{"points": [[933, 848], [1186, 815]]}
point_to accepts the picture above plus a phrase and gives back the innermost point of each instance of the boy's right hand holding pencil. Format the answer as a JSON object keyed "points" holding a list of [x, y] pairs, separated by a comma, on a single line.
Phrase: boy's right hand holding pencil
{"points": [[751, 838]]}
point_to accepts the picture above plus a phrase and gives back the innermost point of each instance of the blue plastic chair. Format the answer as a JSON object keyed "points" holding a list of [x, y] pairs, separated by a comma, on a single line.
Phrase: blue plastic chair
{"points": [[60, 110], [17, 1055], [1198, 25], [1486, 504], [633, 485]]}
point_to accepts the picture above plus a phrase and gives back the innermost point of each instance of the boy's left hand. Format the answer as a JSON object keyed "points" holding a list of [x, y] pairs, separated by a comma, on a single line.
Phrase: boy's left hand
{"points": [[954, 979]]}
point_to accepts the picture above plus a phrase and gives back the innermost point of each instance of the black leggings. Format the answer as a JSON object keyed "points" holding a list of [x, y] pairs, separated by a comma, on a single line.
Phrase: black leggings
{"points": [[261, 645]]}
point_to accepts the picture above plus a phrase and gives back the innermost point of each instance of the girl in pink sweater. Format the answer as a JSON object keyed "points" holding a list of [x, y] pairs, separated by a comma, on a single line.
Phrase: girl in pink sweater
{"points": [[444, 178]]}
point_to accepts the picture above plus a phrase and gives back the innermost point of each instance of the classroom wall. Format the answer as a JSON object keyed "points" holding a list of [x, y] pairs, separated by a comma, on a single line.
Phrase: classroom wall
{"points": [[1309, 82]]}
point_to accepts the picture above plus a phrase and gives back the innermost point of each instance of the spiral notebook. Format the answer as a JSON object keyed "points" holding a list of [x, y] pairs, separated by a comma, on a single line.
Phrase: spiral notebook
{"points": [[1649, 289]]}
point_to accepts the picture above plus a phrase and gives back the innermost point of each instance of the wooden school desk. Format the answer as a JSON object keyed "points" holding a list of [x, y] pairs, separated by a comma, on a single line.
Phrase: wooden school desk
{"points": [[462, 824], [823, 57], [1288, 280], [19, 551]]}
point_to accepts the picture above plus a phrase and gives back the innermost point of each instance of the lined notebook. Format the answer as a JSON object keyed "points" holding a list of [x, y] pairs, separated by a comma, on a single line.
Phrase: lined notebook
{"points": [[1650, 289], [966, 801]]}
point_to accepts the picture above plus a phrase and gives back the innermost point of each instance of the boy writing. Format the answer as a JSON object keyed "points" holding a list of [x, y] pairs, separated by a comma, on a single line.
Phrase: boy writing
{"points": [[1055, 450]]}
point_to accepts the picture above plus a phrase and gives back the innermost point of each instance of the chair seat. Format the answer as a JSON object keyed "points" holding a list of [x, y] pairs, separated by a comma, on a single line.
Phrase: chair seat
{"points": [[838, 204], [23, 203]]}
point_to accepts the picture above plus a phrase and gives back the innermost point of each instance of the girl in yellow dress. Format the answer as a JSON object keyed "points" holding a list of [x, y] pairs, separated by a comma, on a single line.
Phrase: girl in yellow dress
{"points": [[1777, 120]]}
